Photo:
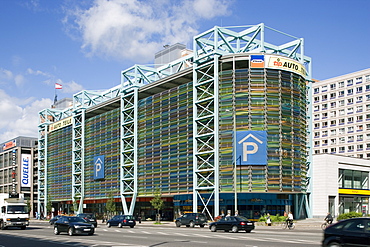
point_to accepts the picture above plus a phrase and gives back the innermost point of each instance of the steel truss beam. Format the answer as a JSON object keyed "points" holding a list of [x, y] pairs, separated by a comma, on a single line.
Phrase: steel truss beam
{"points": [[47, 116], [205, 128], [129, 148], [78, 143]]}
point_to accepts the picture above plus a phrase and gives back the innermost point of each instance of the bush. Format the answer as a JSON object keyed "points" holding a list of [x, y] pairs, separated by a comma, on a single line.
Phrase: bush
{"points": [[349, 215], [274, 218]]}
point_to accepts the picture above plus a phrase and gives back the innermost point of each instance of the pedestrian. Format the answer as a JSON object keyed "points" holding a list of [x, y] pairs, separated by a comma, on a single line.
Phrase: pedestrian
{"points": [[268, 219]]}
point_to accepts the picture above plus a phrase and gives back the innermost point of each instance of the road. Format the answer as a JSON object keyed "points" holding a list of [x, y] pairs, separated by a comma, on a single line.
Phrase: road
{"points": [[41, 235]]}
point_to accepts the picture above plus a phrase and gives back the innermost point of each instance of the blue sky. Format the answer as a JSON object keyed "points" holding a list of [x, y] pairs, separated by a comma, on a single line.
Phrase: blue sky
{"points": [[84, 45]]}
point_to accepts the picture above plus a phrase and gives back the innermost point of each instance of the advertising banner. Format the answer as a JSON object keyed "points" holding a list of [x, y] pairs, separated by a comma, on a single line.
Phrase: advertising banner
{"points": [[257, 61], [99, 167], [26, 170], [60, 124], [277, 62], [251, 147]]}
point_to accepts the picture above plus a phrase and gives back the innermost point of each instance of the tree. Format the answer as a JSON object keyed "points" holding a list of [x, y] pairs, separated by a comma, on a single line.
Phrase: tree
{"points": [[48, 208], [110, 206], [157, 203], [75, 205]]}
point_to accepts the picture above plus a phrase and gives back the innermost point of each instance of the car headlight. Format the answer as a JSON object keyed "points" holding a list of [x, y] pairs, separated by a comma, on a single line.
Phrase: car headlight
{"points": [[76, 226], [92, 226]]}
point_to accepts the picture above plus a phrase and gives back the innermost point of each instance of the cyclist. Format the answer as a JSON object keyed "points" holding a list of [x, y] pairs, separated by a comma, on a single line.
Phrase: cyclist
{"points": [[329, 218], [290, 219]]}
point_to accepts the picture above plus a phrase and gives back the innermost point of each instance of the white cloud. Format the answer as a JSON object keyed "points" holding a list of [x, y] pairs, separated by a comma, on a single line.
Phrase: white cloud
{"points": [[136, 30], [70, 87], [6, 74], [19, 80], [20, 120]]}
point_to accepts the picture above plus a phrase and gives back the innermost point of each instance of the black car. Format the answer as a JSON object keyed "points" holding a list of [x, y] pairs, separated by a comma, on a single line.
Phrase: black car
{"points": [[89, 217], [73, 225], [232, 223], [122, 220], [350, 232], [191, 219], [52, 220]]}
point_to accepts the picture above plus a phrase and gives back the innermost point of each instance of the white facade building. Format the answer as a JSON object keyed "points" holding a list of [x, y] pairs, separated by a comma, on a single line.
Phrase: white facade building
{"points": [[341, 144], [340, 184], [341, 115]]}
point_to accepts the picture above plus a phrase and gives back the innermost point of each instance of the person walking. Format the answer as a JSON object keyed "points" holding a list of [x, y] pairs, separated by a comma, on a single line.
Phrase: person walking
{"points": [[268, 219]]}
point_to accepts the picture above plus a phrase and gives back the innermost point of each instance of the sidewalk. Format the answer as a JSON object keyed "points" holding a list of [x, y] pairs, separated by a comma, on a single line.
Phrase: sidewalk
{"points": [[312, 223]]}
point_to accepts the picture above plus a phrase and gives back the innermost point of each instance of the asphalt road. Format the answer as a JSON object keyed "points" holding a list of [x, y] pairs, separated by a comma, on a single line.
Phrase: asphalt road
{"points": [[144, 235]]}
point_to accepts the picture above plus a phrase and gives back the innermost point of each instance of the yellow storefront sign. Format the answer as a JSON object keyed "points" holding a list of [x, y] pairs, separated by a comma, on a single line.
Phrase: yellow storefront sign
{"points": [[354, 192]]}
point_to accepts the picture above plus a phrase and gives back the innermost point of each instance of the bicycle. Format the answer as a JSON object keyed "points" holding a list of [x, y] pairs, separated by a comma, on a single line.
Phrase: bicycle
{"points": [[287, 224], [325, 225]]}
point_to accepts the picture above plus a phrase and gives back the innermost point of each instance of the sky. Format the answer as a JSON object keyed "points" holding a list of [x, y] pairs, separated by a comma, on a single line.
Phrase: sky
{"points": [[85, 44]]}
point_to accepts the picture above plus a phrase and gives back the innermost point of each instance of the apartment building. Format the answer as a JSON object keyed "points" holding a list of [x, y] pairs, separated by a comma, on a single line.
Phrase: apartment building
{"points": [[341, 114], [341, 145]]}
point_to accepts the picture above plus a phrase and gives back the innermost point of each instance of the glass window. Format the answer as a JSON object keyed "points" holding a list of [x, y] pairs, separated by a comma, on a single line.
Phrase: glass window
{"points": [[341, 84], [357, 179]]}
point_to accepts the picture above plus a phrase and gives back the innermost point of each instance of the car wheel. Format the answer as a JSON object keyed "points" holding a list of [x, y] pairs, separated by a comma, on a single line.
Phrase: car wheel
{"points": [[108, 224], [178, 223], [187, 226], [70, 231], [334, 244], [192, 224], [248, 231], [23, 227], [201, 226], [91, 233], [234, 229], [131, 226], [56, 231], [213, 228], [120, 225]]}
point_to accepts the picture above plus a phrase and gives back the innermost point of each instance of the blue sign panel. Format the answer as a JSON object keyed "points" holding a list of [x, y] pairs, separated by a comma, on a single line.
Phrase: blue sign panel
{"points": [[99, 167], [251, 147]]}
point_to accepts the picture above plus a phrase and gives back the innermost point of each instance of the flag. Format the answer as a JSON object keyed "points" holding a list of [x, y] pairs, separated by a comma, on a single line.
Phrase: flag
{"points": [[58, 86]]}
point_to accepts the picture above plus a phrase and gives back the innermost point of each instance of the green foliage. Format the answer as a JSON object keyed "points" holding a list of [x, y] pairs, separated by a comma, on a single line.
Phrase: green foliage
{"points": [[110, 206], [157, 203], [274, 218], [48, 207], [349, 215]]}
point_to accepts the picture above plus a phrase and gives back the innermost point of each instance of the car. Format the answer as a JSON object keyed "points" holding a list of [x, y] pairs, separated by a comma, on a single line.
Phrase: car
{"points": [[191, 220], [233, 224], [55, 218], [349, 232], [89, 217], [122, 220], [73, 225]]}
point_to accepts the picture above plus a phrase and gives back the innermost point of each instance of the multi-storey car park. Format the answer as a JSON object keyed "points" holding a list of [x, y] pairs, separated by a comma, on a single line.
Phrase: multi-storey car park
{"points": [[223, 128]]}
